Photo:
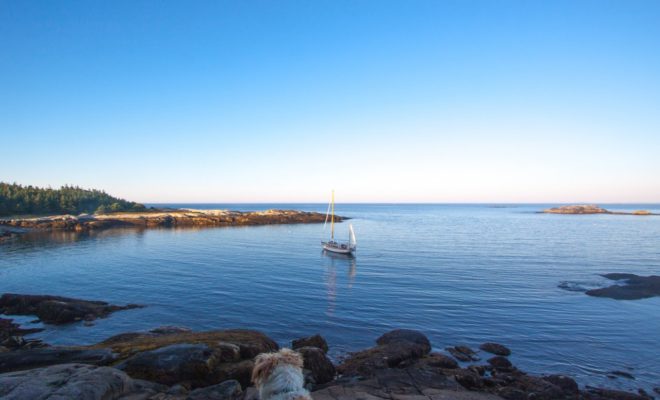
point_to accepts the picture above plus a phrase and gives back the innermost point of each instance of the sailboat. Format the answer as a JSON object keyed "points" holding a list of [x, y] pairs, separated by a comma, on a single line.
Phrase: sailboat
{"points": [[332, 245]]}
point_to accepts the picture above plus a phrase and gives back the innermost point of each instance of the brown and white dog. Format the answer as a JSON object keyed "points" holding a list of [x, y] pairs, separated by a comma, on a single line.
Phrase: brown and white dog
{"points": [[278, 376]]}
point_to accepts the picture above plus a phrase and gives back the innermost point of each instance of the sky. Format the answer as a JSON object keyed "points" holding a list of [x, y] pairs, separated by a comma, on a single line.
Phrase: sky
{"points": [[383, 101]]}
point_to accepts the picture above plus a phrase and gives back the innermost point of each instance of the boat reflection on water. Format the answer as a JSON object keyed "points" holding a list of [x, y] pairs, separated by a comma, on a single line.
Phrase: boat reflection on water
{"points": [[334, 262]]}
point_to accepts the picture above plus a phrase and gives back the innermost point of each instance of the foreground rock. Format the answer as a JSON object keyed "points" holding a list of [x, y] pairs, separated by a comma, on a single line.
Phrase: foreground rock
{"points": [[41, 357], [228, 390], [173, 363], [166, 218], [73, 381], [634, 287], [591, 209], [194, 359], [413, 382], [56, 309], [393, 348], [317, 364]]}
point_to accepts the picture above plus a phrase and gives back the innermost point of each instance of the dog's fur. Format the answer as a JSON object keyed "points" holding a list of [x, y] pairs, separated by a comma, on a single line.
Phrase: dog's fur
{"points": [[278, 376]]}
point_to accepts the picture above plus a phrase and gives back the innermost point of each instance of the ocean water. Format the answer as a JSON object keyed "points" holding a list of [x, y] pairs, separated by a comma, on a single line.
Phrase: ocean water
{"points": [[462, 274]]}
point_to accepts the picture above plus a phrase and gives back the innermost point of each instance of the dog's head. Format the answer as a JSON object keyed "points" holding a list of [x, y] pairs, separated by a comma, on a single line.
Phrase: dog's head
{"points": [[265, 363]]}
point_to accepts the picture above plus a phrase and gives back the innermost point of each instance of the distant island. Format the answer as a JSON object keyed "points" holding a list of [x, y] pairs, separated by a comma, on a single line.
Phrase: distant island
{"points": [[591, 209], [17, 199], [162, 218]]}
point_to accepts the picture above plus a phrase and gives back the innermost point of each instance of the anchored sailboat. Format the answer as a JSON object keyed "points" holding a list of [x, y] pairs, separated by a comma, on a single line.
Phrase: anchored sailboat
{"points": [[333, 245]]}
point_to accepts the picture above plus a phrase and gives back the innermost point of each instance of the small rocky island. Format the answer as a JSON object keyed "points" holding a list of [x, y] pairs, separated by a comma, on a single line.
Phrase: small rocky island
{"points": [[161, 218], [631, 287], [591, 209], [175, 363]]}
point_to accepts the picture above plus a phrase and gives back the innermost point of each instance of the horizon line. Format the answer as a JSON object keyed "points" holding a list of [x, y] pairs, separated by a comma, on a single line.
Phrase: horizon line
{"points": [[402, 202]]}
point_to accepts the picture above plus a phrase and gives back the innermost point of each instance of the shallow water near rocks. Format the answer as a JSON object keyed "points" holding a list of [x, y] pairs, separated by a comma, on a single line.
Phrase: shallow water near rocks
{"points": [[462, 274]]}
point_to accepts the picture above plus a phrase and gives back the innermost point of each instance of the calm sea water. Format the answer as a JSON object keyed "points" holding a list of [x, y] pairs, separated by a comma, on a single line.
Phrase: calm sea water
{"points": [[462, 274]]}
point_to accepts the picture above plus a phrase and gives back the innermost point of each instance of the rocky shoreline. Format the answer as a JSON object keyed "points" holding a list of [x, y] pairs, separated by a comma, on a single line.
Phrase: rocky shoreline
{"points": [[175, 363], [159, 219]]}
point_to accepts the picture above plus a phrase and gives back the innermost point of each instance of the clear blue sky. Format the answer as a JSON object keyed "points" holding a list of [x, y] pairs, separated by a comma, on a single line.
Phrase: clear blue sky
{"points": [[260, 101]]}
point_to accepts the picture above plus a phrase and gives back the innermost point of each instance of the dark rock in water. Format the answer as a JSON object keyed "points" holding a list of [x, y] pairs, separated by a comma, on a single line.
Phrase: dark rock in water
{"points": [[442, 361], [74, 381], [623, 374], [405, 336], [462, 353], [635, 287], [657, 389], [320, 366], [393, 348], [500, 363], [592, 393], [34, 358], [311, 341], [56, 309], [495, 348], [227, 390]]}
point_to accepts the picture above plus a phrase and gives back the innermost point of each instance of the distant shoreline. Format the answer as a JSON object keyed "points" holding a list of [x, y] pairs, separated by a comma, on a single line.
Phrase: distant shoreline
{"points": [[592, 209]]}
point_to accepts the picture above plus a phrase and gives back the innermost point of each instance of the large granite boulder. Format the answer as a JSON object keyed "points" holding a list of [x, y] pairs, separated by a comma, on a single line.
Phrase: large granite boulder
{"points": [[34, 358], [57, 309], [190, 363], [73, 381], [196, 359], [393, 348]]}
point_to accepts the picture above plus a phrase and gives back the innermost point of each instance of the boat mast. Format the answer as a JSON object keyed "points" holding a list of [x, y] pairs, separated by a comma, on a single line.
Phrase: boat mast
{"points": [[332, 221]]}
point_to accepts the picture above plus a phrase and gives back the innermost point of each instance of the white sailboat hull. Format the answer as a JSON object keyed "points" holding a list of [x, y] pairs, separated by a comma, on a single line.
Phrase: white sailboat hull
{"points": [[337, 247]]}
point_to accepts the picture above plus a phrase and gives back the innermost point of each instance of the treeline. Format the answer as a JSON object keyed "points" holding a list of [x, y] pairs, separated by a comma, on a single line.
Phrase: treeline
{"points": [[20, 200]]}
